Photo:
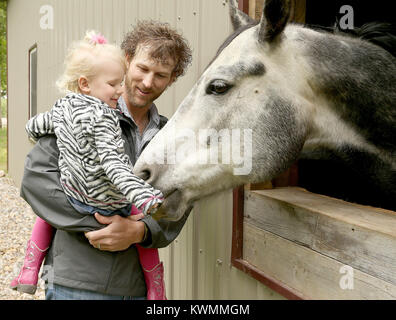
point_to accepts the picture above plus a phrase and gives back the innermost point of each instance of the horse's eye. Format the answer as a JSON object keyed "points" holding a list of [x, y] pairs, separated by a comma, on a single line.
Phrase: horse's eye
{"points": [[218, 87]]}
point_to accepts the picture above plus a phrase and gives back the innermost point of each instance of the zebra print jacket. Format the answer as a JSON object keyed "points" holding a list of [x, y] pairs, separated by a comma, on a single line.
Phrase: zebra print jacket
{"points": [[93, 166]]}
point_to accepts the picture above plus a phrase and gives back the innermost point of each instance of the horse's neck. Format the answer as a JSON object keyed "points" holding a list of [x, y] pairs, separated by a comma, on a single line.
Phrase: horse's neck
{"points": [[353, 83], [328, 130]]}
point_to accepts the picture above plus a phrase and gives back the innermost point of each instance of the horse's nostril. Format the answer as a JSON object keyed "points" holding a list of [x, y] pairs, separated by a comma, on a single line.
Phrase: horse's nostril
{"points": [[147, 174], [144, 174]]}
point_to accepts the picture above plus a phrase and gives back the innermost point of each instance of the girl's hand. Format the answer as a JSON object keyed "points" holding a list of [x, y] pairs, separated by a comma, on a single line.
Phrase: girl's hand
{"points": [[153, 209]]}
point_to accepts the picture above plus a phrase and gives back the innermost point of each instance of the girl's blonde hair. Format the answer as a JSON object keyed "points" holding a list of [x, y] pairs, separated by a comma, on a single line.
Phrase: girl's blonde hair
{"points": [[82, 60]]}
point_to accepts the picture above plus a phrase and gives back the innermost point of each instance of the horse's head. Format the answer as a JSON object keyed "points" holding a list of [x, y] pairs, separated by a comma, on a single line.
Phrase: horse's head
{"points": [[240, 123]]}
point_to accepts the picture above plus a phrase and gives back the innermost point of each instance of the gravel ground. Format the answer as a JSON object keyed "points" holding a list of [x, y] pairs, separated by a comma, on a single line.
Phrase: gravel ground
{"points": [[16, 222]]}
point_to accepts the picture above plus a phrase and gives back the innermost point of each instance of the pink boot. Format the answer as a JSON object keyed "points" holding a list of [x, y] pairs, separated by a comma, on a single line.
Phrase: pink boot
{"points": [[155, 283], [27, 279], [153, 269]]}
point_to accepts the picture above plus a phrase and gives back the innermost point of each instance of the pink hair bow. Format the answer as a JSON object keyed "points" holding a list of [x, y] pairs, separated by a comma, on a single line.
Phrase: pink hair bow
{"points": [[99, 39]]}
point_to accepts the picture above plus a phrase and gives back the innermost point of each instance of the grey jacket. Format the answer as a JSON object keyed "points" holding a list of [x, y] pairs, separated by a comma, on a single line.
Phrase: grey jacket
{"points": [[71, 260]]}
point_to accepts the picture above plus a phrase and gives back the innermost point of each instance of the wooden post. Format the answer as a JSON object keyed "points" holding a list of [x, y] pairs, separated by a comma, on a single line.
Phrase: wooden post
{"points": [[298, 11], [256, 8], [243, 5], [297, 15]]}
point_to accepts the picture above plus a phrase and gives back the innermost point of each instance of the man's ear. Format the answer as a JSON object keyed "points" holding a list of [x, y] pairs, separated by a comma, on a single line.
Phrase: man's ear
{"points": [[83, 85]]}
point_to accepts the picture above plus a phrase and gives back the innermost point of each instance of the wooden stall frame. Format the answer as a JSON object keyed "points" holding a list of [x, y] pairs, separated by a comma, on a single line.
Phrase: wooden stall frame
{"points": [[370, 221], [237, 251]]}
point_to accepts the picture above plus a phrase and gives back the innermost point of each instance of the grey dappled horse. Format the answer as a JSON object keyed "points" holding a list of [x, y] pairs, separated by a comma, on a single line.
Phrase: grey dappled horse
{"points": [[288, 91]]}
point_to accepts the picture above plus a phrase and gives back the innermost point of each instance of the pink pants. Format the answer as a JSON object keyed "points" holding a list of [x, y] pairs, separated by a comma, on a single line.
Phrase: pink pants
{"points": [[43, 232]]}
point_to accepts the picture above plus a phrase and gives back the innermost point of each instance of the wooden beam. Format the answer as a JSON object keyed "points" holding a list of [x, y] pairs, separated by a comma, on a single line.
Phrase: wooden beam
{"points": [[256, 8], [359, 236], [237, 222], [297, 13], [267, 280], [313, 275], [243, 5]]}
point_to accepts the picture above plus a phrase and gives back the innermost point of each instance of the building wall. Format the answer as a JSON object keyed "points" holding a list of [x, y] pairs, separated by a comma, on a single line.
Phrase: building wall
{"points": [[198, 262]]}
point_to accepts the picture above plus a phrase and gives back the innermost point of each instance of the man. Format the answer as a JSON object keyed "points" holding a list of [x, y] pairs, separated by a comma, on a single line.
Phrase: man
{"points": [[103, 264]]}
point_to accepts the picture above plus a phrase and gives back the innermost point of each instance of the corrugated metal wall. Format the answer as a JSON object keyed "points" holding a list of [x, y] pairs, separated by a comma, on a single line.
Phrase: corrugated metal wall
{"points": [[198, 262]]}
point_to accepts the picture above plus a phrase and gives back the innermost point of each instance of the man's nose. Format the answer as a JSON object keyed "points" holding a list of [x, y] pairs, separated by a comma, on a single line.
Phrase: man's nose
{"points": [[148, 81]]}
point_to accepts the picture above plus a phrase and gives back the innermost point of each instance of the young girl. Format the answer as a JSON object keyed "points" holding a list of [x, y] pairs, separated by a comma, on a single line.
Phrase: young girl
{"points": [[96, 174]]}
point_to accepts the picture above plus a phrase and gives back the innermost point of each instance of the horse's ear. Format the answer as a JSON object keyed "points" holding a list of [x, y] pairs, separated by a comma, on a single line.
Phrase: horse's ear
{"points": [[276, 14], [238, 18]]}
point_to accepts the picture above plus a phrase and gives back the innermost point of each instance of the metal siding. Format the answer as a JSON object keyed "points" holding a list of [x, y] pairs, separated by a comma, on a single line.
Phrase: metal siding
{"points": [[20, 37], [197, 264], [188, 24], [146, 9], [107, 17], [118, 20], [131, 13]]}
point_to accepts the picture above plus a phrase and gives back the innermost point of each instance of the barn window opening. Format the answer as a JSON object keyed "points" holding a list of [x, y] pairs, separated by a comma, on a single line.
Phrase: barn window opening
{"points": [[32, 81]]}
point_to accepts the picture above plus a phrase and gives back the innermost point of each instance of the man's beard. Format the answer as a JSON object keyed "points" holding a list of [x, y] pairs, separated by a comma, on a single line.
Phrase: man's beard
{"points": [[131, 100]]}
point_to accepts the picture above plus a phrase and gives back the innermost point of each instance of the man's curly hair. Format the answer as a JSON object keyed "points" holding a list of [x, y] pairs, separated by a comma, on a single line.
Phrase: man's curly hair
{"points": [[164, 43]]}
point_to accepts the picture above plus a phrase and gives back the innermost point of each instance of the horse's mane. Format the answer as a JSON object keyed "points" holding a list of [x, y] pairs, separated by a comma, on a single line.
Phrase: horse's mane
{"points": [[382, 34]]}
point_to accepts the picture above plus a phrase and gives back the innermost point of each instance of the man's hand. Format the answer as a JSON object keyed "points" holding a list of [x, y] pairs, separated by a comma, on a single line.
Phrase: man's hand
{"points": [[120, 233]]}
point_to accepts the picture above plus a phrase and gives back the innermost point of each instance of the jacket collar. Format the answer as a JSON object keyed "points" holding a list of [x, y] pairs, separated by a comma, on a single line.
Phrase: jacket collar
{"points": [[153, 112]]}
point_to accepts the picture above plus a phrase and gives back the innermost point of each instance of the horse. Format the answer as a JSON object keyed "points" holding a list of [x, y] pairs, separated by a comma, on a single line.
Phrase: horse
{"points": [[275, 92]]}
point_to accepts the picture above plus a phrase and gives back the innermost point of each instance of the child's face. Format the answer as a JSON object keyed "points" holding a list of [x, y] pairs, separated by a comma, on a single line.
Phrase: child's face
{"points": [[107, 84]]}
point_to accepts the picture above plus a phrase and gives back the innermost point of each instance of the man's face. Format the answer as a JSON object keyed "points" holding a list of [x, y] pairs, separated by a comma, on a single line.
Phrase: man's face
{"points": [[147, 79]]}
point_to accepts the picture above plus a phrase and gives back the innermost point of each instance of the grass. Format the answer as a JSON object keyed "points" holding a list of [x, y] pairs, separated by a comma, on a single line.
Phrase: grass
{"points": [[3, 108], [3, 149]]}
